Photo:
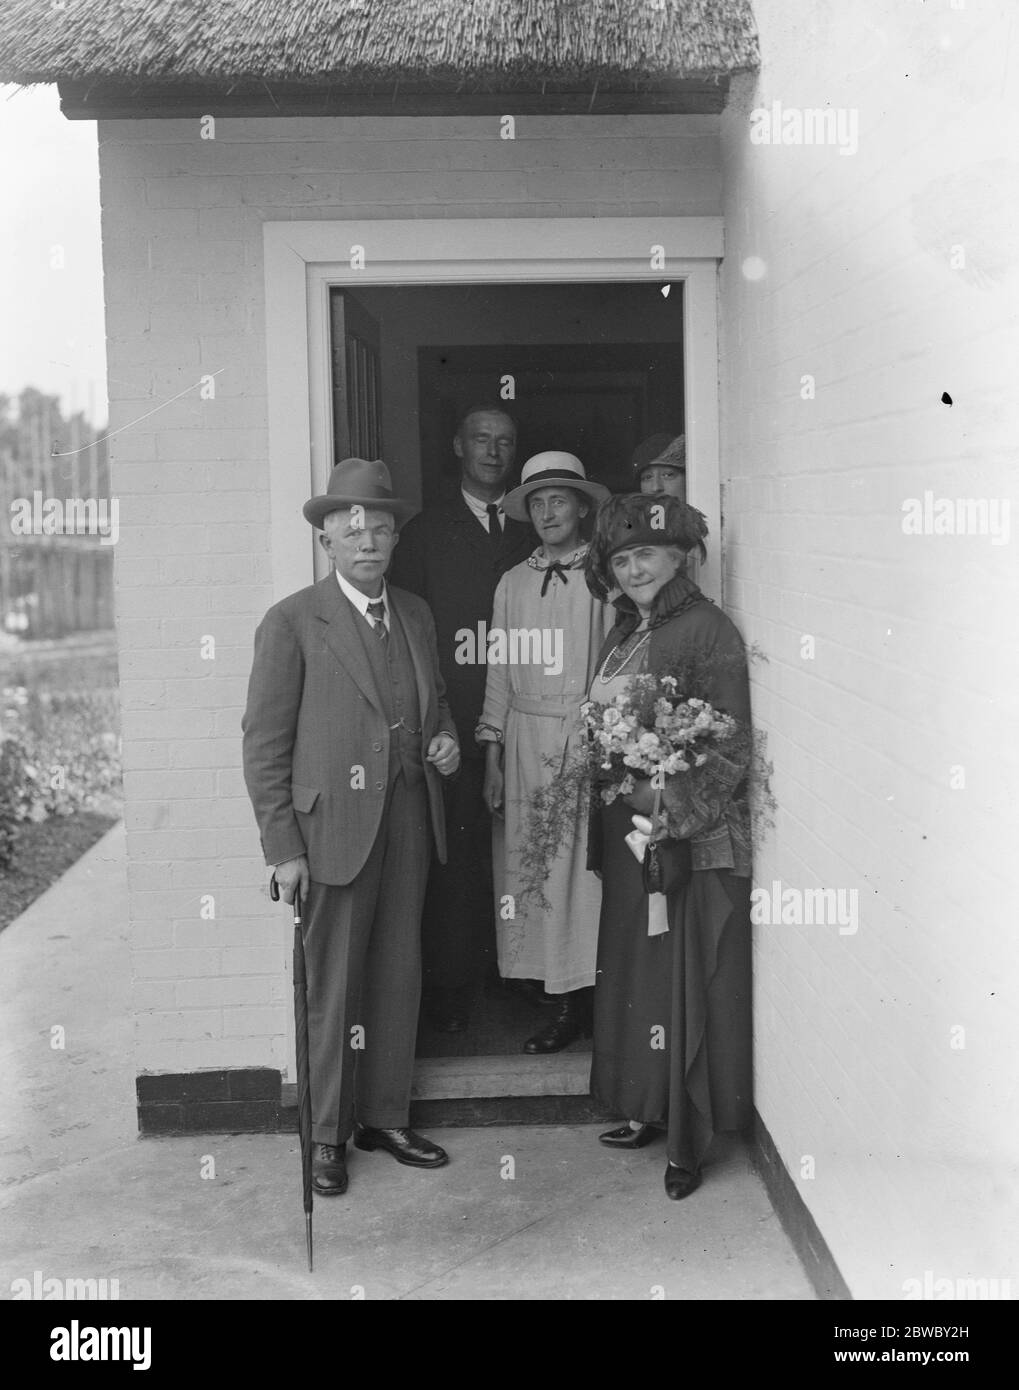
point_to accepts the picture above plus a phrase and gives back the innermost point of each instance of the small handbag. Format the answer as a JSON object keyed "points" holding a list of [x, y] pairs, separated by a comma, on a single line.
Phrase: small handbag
{"points": [[667, 865]]}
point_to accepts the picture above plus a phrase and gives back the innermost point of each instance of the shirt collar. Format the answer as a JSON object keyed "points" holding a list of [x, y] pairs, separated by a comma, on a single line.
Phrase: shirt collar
{"points": [[479, 508], [538, 560], [361, 601]]}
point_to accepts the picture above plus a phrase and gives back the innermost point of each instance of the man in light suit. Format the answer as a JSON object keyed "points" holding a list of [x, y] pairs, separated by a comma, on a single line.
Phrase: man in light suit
{"points": [[346, 736]]}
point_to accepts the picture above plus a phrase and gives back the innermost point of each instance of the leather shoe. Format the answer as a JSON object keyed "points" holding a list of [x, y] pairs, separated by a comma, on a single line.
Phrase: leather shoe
{"points": [[448, 1023], [626, 1138], [329, 1169], [446, 1010], [531, 992], [572, 1020], [405, 1146], [680, 1182]]}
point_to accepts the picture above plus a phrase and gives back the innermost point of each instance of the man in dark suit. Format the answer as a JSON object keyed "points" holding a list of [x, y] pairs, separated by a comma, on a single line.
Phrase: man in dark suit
{"points": [[347, 735], [453, 554]]}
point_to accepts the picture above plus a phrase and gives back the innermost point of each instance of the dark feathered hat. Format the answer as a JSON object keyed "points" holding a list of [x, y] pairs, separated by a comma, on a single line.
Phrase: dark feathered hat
{"points": [[640, 518]]}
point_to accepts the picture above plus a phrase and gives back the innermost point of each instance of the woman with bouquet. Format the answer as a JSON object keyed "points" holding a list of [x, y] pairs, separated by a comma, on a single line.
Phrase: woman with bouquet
{"points": [[672, 1024]]}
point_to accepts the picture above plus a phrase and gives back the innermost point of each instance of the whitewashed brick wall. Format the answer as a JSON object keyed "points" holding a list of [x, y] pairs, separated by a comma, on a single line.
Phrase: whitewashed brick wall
{"points": [[839, 267], [182, 229]]}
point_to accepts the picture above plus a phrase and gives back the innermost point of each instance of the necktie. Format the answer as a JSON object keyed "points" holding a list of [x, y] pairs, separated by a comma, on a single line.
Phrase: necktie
{"points": [[377, 611], [494, 526]]}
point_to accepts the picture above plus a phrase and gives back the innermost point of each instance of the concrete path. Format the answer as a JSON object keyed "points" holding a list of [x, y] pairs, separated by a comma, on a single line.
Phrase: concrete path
{"points": [[82, 1197]]}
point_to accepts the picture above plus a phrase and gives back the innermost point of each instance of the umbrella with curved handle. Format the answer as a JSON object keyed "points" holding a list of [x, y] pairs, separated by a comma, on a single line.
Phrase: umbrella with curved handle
{"points": [[303, 1076]]}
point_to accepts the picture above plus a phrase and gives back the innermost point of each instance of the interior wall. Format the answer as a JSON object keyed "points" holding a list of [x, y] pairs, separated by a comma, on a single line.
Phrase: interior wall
{"points": [[490, 315], [856, 290]]}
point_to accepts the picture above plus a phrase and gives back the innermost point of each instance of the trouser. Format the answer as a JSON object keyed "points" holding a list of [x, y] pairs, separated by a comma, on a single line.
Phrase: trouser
{"points": [[458, 926], [362, 945]]}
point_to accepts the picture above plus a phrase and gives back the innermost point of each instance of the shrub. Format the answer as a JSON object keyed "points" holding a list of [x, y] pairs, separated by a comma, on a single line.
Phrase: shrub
{"points": [[70, 748], [12, 796]]}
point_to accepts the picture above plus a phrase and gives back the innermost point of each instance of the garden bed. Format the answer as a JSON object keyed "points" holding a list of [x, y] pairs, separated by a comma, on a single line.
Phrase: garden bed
{"points": [[45, 850], [60, 773]]}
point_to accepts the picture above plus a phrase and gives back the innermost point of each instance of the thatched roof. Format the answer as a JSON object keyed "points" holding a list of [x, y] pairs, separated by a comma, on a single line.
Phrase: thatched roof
{"points": [[474, 44]]}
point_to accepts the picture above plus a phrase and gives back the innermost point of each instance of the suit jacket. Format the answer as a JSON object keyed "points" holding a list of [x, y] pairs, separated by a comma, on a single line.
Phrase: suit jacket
{"points": [[445, 555], [314, 715]]}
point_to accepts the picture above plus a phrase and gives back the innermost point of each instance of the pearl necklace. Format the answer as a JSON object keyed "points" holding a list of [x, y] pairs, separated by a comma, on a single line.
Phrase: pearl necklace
{"points": [[624, 657]]}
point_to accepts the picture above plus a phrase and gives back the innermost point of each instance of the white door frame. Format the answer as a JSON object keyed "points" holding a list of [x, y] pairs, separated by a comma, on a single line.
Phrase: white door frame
{"points": [[304, 260]]}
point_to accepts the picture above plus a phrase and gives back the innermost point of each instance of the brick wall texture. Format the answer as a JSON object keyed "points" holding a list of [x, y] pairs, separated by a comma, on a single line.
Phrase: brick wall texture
{"points": [[182, 232], [844, 314], [894, 741]]}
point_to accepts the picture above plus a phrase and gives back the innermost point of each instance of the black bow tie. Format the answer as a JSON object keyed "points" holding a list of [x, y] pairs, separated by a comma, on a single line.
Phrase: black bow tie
{"points": [[554, 567]]}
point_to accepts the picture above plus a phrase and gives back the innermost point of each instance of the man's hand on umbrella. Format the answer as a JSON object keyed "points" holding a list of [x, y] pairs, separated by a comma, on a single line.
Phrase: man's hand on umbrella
{"points": [[444, 753], [293, 874]]}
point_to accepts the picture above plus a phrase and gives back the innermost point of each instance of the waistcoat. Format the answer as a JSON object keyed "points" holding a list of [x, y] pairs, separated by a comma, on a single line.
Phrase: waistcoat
{"points": [[393, 669]]}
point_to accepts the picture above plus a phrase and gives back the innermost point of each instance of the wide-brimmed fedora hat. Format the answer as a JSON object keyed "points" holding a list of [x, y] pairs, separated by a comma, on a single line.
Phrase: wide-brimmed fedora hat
{"points": [[548, 470], [358, 483]]}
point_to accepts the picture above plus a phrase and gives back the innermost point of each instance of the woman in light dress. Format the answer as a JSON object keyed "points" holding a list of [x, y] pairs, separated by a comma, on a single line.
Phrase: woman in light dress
{"points": [[530, 713]]}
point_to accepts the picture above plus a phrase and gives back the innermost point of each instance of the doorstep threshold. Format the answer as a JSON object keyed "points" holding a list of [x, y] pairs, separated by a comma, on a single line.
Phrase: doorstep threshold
{"points": [[453, 1078]]}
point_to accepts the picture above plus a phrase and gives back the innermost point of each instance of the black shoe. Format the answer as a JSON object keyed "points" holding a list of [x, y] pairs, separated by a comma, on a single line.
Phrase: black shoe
{"points": [[679, 1182], [329, 1169], [572, 1020], [446, 1010], [452, 1022], [627, 1138], [405, 1146], [530, 991]]}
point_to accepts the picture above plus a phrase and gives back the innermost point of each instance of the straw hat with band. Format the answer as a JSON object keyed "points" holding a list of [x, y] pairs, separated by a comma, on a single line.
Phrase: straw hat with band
{"points": [[358, 483], [550, 469]]}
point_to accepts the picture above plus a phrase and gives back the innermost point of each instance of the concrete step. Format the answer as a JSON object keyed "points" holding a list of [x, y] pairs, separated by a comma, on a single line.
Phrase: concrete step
{"points": [[449, 1078], [494, 1090]]}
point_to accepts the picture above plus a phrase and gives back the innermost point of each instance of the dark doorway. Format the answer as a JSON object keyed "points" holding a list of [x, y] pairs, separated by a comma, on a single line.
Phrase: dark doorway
{"points": [[594, 400], [592, 369], [589, 368]]}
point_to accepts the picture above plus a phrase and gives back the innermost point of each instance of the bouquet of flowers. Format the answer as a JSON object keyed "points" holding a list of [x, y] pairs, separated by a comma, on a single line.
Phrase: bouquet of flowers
{"points": [[652, 731], [655, 730]]}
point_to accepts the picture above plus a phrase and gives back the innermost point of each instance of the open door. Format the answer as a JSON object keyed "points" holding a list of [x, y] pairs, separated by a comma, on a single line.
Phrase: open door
{"points": [[357, 380]]}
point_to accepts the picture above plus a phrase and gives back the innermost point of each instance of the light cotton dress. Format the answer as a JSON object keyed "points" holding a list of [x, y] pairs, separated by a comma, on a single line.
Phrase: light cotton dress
{"points": [[537, 711]]}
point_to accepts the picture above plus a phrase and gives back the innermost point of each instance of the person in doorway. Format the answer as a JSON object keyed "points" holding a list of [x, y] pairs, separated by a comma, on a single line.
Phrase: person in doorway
{"points": [[347, 735], [530, 713], [452, 555], [692, 981], [659, 465]]}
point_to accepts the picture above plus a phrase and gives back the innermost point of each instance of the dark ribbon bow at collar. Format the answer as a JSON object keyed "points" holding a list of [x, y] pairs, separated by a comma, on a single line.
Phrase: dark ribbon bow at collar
{"points": [[550, 567], [553, 567]]}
